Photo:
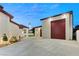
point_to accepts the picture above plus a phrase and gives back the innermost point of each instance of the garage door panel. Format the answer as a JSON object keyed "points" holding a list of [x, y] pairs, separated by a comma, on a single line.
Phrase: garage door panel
{"points": [[58, 29]]}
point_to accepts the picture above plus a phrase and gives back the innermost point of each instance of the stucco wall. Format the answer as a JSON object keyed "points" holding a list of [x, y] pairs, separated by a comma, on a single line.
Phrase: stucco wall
{"points": [[77, 35], [69, 27], [4, 24], [46, 29], [37, 32], [25, 34], [14, 30], [47, 25]]}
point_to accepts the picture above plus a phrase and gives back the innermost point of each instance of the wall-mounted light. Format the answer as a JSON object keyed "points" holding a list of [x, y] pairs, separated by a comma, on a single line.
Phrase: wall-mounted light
{"points": [[50, 19], [64, 16]]}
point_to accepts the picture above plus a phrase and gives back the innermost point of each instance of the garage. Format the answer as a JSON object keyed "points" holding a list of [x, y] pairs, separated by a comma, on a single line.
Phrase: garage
{"points": [[59, 26], [58, 29]]}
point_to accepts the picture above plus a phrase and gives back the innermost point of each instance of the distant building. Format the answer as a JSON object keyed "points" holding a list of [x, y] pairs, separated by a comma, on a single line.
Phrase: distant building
{"points": [[24, 31], [58, 26], [38, 31]]}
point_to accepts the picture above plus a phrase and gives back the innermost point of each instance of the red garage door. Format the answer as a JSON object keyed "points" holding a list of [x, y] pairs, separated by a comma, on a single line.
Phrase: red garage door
{"points": [[58, 29]]}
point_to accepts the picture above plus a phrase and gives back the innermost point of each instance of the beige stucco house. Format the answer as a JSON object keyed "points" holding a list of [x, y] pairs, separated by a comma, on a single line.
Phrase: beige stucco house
{"points": [[58, 26], [4, 22], [9, 27]]}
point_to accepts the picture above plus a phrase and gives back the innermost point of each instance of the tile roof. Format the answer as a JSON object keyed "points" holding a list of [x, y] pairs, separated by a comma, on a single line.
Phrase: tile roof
{"points": [[6, 13]]}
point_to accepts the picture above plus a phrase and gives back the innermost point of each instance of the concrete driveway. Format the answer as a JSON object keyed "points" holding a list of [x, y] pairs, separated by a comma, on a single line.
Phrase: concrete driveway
{"points": [[41, 47]]}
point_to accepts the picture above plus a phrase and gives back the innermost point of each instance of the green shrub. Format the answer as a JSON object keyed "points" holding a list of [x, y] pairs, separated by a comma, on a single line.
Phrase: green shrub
{"points": [[5, 37]]}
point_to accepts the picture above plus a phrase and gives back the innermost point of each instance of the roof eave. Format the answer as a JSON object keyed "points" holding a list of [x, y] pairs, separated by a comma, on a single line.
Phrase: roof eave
{"points": [[71, 12]]}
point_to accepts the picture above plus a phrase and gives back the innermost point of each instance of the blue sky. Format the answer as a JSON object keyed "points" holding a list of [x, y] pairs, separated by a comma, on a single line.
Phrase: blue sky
{"points": [[25, 13]]}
